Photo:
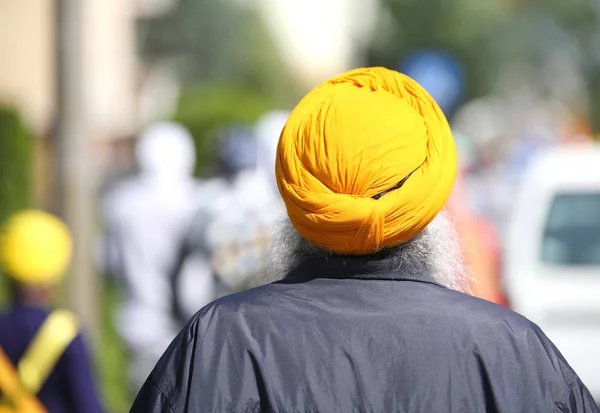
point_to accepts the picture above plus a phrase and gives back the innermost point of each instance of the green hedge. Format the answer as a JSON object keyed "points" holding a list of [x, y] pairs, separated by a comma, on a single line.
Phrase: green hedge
{"points": [[205, 108], [16, 149], [15, 163]]}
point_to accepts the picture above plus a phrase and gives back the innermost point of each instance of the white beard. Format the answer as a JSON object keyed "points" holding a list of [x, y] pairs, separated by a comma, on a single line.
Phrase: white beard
{"points": [[437, 248]]}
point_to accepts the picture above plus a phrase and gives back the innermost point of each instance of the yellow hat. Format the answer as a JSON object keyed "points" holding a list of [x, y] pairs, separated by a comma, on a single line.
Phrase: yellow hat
{"points": [[365, 161], [35, 248]]}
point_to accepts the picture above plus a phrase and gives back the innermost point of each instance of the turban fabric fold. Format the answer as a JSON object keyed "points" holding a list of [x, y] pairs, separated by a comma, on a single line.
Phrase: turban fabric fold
{"points": [[365, 161]]}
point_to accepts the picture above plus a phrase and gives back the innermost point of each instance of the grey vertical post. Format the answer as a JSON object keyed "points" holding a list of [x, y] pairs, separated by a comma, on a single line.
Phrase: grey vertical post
{"points": [[74, 162]]}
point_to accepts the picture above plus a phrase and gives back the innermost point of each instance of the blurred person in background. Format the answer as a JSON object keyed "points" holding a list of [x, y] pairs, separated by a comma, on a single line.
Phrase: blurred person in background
{"points": [[484, 123], [146, 217], [368, 313], [235, 153], [44, 363], [243, 231], [477, 233], [233, 229]]}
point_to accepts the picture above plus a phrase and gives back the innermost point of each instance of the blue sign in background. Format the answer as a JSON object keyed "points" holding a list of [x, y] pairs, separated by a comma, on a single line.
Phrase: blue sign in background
{"points": [[439, 73]]}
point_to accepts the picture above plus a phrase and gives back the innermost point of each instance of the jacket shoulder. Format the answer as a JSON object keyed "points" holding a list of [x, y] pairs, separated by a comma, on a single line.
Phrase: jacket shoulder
{"points": [[476, 311]]}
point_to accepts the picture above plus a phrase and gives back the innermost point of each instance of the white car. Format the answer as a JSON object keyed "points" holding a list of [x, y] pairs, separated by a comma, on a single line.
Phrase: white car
{"points": [[552, 271]]}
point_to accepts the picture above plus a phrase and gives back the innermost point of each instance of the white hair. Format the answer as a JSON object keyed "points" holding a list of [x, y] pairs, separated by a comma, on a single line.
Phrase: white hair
{"points": [[437, 248]]}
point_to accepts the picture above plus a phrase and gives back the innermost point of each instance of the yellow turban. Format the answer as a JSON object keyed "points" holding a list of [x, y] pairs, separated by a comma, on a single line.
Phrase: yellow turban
{"points": [[366, 161], [35, 248]]}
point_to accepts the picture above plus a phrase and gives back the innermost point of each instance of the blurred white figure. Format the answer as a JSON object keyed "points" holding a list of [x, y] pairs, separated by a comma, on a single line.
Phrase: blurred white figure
{"points": [[146, 219], [241, 238], [233, 231]]}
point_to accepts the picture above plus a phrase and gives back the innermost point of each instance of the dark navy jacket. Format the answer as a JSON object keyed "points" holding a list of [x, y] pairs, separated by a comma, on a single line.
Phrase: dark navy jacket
{"points": [[70, 387], [360, 335]]}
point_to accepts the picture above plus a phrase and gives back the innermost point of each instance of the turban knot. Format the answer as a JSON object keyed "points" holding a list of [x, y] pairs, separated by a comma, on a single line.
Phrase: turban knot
{"points": [[365, 161]]}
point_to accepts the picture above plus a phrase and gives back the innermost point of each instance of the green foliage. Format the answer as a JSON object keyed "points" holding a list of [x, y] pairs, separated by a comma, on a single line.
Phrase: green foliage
{"points": [[228, 63], [573, 14], [485, 35], [217, 41], [111, 360], [15, 165], [205, 108], [461, 27]]}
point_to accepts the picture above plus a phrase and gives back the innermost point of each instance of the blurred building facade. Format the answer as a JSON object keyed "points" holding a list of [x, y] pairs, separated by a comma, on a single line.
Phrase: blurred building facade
{"points": [[27, 73], [69, 67]]}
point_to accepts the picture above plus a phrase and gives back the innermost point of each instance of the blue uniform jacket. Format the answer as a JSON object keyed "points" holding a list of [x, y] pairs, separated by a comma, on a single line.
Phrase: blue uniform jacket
{"points": [[70, 387]]}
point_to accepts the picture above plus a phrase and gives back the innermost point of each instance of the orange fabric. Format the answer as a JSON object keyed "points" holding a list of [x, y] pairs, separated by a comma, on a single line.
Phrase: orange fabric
{"points": [[20, 400], [356, 136], [480, 245]]}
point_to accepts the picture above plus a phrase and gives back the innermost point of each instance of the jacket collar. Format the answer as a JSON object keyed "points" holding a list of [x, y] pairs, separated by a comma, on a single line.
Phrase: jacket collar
{"points": [[373, 267]]}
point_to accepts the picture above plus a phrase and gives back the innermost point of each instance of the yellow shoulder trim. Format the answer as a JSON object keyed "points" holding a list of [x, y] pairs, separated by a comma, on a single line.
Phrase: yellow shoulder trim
{"points": [[46, 348]]}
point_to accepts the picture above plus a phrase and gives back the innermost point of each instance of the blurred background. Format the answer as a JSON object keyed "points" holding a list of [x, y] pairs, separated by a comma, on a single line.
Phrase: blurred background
{"points": [[91, 89]]}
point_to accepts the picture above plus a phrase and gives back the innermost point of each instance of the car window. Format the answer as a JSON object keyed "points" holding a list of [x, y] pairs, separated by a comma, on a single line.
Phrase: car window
{"points": [[572, 230]]}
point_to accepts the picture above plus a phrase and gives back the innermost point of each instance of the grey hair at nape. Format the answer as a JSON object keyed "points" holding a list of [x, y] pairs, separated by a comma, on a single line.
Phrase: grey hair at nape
{"points": [[438, 248]]}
